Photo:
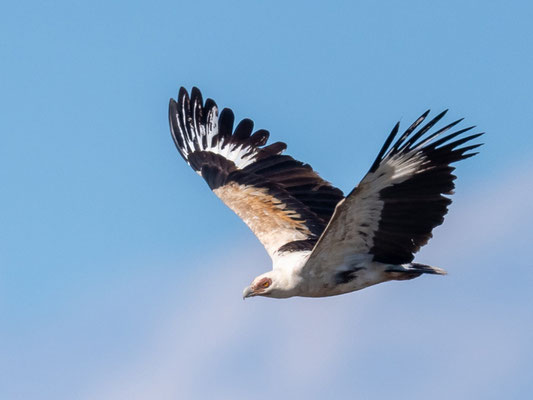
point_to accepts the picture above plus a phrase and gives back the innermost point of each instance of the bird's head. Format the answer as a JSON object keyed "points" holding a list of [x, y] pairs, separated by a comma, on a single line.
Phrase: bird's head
{"points": [[261, 286], [271, 284]]}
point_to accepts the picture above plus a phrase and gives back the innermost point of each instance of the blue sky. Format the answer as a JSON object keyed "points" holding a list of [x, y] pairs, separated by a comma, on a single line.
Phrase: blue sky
{"points": [[121, 274]]}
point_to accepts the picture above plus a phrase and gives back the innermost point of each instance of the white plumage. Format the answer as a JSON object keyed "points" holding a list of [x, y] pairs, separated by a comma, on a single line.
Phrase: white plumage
{"points": [[321, 242]]}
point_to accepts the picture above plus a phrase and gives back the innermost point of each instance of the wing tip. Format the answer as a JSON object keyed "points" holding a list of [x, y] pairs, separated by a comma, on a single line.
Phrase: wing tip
{"points": [[183, 94], [219, 134]]}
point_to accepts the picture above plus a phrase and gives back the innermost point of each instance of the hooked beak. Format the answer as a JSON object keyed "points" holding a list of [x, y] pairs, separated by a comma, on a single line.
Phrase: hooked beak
{"points": [[248, 292]]}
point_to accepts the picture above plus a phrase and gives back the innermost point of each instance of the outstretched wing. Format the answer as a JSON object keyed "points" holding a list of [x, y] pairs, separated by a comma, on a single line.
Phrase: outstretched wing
{"points": [[392, 212], [283, 201]]}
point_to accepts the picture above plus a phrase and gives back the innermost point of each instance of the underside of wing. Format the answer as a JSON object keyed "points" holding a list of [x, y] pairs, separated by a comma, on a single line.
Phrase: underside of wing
{"points": [[394, 209], [283, 201]]}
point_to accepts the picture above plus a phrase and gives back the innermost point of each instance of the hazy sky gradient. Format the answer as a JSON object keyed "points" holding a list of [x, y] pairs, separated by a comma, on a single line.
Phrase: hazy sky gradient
{"points": [[121, 274]]}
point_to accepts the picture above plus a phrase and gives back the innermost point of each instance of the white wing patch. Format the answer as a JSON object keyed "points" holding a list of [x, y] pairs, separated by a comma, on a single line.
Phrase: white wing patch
{"points": [[198, 136], [361, 212], [392, 212]]}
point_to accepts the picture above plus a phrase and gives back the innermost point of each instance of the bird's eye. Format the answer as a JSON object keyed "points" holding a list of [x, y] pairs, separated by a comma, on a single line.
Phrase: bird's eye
{"points": [[265, 284]]}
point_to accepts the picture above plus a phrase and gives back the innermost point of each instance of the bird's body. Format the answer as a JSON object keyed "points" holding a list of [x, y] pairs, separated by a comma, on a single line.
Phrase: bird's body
{"points": [[321, 242], [315, 282], [352, 272]]}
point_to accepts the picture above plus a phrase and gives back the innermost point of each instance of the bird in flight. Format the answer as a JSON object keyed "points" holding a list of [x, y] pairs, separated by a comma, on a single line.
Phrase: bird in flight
{"points": [[321, 242]]}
